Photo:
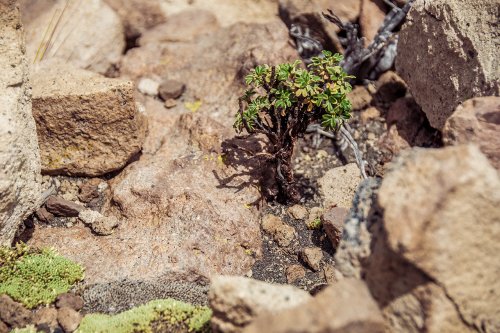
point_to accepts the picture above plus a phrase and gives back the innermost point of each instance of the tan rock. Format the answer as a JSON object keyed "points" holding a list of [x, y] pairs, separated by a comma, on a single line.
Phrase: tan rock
{"points": [[359, 97], [20, 177], [175, 28], [369, 114], [460, 34], [237, 301], [371, 18], [69, 319], [344, 307], [87, 125], [298, 212], [137, 16], [338, 185], [294, 273], [100, 224], [281, 232], [312, 256], [78, 37], [46, 316], [333, 224], [449, 201], [476, 121]]}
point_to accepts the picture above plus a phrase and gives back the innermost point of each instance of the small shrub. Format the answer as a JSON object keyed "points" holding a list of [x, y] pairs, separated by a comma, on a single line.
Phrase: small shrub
{"points": [[283, 100], [156, 316], [35, 278]]}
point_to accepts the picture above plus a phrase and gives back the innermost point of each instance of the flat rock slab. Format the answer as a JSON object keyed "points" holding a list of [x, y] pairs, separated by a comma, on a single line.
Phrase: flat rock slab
{"points": [[87, 125]]}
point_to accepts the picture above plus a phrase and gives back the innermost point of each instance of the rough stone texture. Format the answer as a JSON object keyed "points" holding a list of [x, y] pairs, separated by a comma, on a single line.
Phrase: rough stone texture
{"points": [[477, 120], [69, 319], [100, 224], [89, 190], [62, 207], [45, 317], [19, 156], [148, 87], [176, 30], [449, 201], [282, 233], [74, 39], [371, 18], [70, 301], [3, 327], [338, 185], [344, 307], [87, 125], [294, 273], [460, 34], [298, 212], [186, 211], [12, 313], [390, 87], [312, 256], [137, 16], [333, 224], [236, 301], [44, 215]]}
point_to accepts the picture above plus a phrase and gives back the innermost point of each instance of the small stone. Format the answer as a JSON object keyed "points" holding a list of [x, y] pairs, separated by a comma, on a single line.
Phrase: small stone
{"points": [[44, 215], [390, 87], [62, 207], [69, 300], [45, 317], [69, 319], [360, 98], [298, 212], [148, 87], [12, 313], [281, 232], [170, 103], [100, 224], [89, 190], [171, 89], [333, 224], [294, 273], [330, 274], [369, 114], [3, 327], [338, 185], [312, 256]]}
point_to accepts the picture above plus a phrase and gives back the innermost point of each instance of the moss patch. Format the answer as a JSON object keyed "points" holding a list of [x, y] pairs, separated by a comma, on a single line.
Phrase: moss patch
{"points": [[27, 329], [35, 278], [156, 316]]}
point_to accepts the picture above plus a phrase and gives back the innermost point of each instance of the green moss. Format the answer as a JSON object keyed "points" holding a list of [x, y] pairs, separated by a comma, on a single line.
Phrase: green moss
{"points": [[27, 329], [35, 278], [156, 316], [315, 224]]}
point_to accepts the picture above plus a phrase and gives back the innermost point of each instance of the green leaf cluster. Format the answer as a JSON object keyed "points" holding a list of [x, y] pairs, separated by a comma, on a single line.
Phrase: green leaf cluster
{"points": [[35, 278], [320, 90], [166, 315]]}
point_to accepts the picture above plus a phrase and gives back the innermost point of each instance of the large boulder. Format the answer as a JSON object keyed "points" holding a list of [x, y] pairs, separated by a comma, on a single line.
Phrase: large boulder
{"points": [[347, 306], [476, 120], [237, 301], [424, 241], [460, 34], [86, 34], [88, 125], [20, 190]]}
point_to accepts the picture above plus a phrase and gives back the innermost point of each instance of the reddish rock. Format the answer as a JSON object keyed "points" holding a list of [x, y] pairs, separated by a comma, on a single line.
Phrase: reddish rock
{"points": [[44, 215], [3, 327], [312, 256], [390, 87], [69, 300], [333, 224], [476, 121], [62, 207], [45, 317], [13, 314], [89, 190]]}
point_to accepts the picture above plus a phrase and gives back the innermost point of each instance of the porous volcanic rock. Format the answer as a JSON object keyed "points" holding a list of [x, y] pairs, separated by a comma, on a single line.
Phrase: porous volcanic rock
{"points": [[338, 185], [476, 121], [236, 301], [88, 35], [460, 34], [346, 306], [20, 177], [87, 124]]}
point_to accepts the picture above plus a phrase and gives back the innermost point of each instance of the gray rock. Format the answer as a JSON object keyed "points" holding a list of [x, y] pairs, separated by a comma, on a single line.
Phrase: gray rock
{"points": [[461, 34], [171, 89], [69, 300], [20, 178]]}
